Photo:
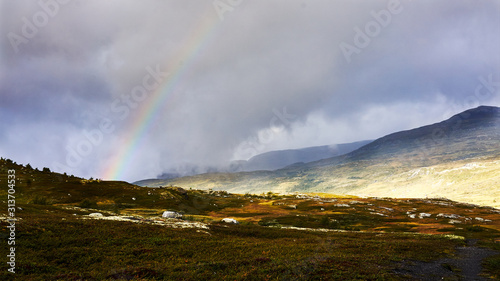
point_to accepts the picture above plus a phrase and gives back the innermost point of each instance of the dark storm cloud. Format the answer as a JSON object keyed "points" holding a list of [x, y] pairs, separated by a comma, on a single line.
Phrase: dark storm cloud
{"points": [[270, 75]]}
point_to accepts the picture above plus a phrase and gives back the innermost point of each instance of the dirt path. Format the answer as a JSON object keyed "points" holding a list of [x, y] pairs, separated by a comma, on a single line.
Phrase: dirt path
{"points": [[465, 266]]}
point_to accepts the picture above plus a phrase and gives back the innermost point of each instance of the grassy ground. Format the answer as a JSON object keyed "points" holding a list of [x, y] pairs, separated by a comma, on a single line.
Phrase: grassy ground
{"points": [[54, 244], [360, 238]]}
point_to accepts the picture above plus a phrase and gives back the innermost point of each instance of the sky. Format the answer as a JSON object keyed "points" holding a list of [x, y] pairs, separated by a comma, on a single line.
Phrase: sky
{"points": [[127, 90]]}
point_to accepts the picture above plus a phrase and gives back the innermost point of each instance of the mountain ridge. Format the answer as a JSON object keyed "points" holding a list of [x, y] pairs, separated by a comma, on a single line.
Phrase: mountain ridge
{"points": [[279, 159], [458, 158], [269, 161], [435, 133]]}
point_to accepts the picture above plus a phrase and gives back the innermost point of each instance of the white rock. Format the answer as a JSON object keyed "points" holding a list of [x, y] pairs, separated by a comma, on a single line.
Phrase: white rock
{"points": [[342, 205], [171, 215], [95, 215], [448, 216], [424, 215], [228, 220]]}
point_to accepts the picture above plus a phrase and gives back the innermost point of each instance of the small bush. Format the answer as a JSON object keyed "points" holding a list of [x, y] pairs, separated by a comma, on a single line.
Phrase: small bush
{"points": [[88, 204], [188, 218], [269, 223], [474, 228], [492, 264], [116, 209], [40, 200]]}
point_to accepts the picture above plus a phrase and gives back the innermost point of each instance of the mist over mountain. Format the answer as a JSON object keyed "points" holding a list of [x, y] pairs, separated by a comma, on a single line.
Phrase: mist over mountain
{"points": [[271, 160], [458, 158]]}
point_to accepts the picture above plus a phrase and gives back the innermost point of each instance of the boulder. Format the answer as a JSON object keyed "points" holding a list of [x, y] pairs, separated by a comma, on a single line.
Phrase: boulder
{"points": [[228, 220], [171, 215], [95, 215], [424, 215]]}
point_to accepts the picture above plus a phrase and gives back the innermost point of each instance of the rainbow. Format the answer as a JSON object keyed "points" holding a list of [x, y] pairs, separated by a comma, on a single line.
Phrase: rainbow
{"points": [[151, 108]]}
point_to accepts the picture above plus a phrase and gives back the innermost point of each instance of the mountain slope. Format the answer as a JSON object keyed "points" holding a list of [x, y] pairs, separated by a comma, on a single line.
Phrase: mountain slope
{"points": [[469, 134], [278, 159], [268, 161], [458, 158]]}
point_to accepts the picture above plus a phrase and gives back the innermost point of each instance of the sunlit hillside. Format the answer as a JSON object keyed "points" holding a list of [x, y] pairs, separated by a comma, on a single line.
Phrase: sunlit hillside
{"points": [[69, 228], [457, 159]]}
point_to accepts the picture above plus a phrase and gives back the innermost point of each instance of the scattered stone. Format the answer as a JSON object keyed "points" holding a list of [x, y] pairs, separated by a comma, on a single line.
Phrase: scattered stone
{"points": [[171, 215], [454, 221], [229, 220], [424, 215], [95, 215], [342, 205], [167, 223], [448, 216], [412, 216]]}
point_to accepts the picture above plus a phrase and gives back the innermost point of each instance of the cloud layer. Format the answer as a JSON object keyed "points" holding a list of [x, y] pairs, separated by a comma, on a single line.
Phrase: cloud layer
{"points": [[254, 75]]}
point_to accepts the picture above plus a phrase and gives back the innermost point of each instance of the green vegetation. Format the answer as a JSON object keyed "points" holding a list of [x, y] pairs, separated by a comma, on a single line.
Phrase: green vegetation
{"points": [[359, 238], [88, 204], [54, 244]]}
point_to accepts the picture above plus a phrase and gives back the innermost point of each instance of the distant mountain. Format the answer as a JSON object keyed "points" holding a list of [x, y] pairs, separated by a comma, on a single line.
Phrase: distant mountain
{"points": [[278, 159], [458, 158], [469, 134], [271, 160]]}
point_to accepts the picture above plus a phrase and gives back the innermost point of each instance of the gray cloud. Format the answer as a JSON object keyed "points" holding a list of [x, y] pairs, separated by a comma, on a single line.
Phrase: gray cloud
{"points": [[263, 57]]}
